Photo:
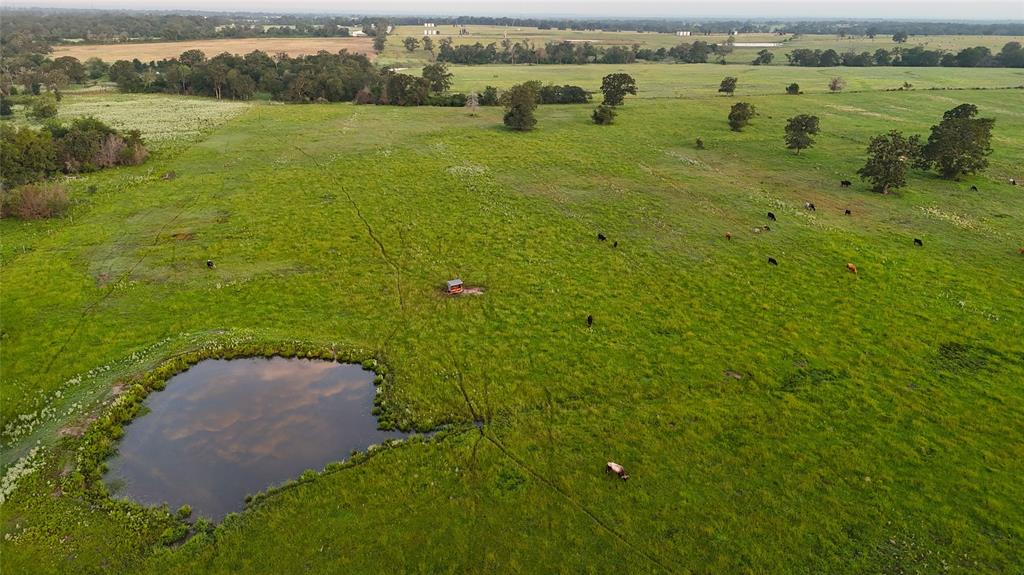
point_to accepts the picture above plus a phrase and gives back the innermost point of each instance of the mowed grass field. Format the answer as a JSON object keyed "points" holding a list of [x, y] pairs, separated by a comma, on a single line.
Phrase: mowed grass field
{"points": [[147, 51], [875, 426]]}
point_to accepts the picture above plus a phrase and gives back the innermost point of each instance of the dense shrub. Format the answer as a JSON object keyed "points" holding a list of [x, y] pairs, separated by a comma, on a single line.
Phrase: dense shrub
{"points": [[43, 107], [520, 101], [793, 89], [489, 97], [174, 534], [447, 100], [85, 145], [562, 95], [34, 202], [603, 115], [26, 155]]}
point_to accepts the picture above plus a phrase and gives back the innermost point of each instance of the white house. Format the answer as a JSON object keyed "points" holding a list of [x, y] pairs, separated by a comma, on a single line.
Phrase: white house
{"points": [[429, 29], [683, 33]]}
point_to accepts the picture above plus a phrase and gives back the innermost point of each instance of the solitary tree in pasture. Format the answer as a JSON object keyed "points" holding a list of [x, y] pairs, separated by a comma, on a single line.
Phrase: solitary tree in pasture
{"points": [[728, 85], [799, 130], [428, 44], [411, 44], [960, 144], [379, 42], [889, 156], [900, 37], [439, 76], [603, 115], [740, 115], [615, 87], [793, 89], [520, 101], [472, 103], [836, 84], [763, 57]]}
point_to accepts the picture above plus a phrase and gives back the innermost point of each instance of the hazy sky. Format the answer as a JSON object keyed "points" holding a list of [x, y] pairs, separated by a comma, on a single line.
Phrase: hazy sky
{"points": [[902, 9]]}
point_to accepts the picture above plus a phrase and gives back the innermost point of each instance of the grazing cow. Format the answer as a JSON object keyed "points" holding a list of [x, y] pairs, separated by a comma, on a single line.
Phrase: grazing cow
{"points": [[773, 261], [809, 206], [612, 467], [757, 230], [766, 228], [846, 183], [590, 321], [1021, 251], [851, 267], [728, 235], [601, 237], [848, 212], [771, 216], [918, 243], [700, 144], [974, 188], [1013, 182], [209, 264], [615, 244]]}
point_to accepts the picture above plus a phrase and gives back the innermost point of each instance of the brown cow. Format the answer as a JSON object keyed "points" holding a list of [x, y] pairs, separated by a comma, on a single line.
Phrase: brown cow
{"points": [[728, 235], [851, 267]]}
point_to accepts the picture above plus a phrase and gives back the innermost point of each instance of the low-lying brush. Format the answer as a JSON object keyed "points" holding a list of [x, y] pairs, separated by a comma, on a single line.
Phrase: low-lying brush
{"points": [[34, 202]]}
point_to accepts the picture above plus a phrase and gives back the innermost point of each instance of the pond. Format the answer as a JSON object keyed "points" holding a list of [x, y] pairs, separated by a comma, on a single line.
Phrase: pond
{"points": [[228, 428]]}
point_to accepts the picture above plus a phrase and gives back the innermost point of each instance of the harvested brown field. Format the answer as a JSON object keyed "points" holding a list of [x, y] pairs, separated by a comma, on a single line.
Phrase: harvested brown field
{"points": [[147, 51]]}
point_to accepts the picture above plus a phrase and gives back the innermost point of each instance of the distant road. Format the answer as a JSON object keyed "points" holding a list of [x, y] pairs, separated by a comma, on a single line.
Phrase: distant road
{"points": [[159, 50]]}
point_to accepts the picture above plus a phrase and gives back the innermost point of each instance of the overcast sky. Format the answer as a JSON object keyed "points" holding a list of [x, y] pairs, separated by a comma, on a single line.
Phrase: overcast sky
{"points": [[886, 9]]}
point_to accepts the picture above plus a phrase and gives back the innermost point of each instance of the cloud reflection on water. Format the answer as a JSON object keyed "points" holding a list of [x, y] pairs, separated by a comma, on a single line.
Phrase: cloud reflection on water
{"points": [[226, 428]]}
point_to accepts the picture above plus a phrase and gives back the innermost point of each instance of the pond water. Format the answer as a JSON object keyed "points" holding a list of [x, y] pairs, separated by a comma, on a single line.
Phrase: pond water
{"points": [[228, 428]]}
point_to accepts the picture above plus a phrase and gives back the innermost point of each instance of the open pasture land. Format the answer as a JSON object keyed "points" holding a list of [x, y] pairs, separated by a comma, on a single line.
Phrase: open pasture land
{"points": [[702, 80], [798, 418], [148, 51], [395, 53]]}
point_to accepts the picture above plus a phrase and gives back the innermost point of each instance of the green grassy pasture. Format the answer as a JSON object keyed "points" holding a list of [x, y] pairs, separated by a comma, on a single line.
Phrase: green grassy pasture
{"points": [[875, 426]]}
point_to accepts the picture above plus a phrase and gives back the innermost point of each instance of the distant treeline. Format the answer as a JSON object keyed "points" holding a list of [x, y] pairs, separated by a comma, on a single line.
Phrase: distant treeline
{"points": [[54, 25], [564, 52], [323, 77], [1011, 56]]}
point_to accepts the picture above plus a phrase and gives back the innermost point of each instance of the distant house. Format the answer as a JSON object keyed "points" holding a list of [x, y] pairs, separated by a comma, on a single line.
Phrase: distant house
{"points": [[683, 33], [356, 33], [430, 29]]}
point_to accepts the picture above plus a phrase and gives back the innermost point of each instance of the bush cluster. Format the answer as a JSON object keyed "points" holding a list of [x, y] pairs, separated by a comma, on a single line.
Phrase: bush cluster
{"points": [[84, 145]]}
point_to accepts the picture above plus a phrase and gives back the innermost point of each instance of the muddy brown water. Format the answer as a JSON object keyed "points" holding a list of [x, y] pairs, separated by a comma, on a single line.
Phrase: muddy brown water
{"points": [[228, 428]]}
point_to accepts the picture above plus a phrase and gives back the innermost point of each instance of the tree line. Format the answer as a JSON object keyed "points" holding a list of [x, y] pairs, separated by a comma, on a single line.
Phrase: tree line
{"points": [[55, 25], [1011, 56], [699, 52]]}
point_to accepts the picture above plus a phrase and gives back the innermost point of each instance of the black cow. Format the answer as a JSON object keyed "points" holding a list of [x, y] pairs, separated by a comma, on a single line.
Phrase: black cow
{"points": [[1013, 182], [771, 216], [846, 183], [209, 264], [590, 321], [848, 212], [615, 244], [601, 237], [918, 242], [773, 262], [974, 188], [809, 206]]}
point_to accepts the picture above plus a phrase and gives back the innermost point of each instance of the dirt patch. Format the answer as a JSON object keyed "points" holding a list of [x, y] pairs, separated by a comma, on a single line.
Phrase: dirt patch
{"points": [[183, 236], [77, 428]]}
